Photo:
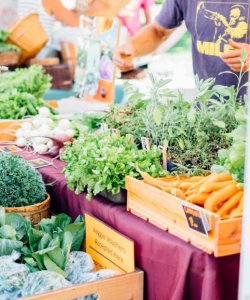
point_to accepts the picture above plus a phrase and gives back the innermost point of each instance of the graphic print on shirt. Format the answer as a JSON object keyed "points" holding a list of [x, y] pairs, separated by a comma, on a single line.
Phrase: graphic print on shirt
{"points": [[217, 22]]}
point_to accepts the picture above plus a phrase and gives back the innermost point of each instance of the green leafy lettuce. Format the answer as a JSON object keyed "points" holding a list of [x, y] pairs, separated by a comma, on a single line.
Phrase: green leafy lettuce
{"points": [[52, 242], [98, 163], [44, 248]]}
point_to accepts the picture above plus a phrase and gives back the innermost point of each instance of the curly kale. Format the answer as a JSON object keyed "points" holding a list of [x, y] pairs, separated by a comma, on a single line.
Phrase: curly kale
{"points": [[20, 184]]}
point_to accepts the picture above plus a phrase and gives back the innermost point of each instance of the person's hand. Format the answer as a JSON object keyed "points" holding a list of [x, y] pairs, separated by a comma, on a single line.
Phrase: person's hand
{"points": [[123, 57], [233, 58]]}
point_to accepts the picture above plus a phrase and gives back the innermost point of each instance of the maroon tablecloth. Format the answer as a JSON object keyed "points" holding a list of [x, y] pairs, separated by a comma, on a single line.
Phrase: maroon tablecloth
{"points": [[174, 269]]}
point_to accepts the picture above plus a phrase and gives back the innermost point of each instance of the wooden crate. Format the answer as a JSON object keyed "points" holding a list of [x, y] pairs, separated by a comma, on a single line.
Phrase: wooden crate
{"points": [[122, 287], [8, 128], [167, 212]]}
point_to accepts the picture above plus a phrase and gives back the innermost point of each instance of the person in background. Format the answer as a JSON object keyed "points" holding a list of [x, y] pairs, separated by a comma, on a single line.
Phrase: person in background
{"points": [[130, 16], [49, 12], [220, 33]]}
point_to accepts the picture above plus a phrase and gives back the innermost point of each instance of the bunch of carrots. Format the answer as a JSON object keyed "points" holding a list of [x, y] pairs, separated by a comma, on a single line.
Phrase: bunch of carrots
{"points": [[218, 193]]}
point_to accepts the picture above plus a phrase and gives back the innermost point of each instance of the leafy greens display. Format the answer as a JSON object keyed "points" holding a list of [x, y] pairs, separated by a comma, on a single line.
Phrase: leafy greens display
{"points": [[192, 131], [20, 92], [31, 80], [101, 162], [232, 159], [18, 105], [45, 248]]}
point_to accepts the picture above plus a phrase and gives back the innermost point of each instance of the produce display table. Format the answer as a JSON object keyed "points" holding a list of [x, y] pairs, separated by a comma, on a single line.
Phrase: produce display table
{"points": [[174, 269]]}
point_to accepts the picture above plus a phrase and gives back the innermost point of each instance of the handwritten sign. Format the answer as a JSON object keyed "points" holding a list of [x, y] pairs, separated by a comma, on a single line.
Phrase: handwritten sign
{"points": [[104, 127], [196, 219], [39, 163], [108, 248], [145, 143], [10, 148]]}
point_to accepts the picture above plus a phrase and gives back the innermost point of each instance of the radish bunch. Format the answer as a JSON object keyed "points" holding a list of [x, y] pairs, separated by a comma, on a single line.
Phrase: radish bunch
{"points": [[45, 134]]}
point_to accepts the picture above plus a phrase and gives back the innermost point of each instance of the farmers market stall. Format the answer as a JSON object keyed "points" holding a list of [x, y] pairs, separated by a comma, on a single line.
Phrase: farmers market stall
{"points": [[181, 163], [173, 268]]}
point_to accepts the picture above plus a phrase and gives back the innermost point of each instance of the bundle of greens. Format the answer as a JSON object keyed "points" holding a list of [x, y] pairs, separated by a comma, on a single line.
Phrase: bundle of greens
{"points": [[192, 131], [13, 232], [18, 105], [45, 248], [30, 80], [86, 122], [4, 46], [20, 93], [3, 36], [8, 48], [102, 162], [232, 159], [50, 245]]}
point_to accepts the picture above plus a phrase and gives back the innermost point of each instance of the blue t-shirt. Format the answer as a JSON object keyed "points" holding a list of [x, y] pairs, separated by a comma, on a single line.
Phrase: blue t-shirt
{"points": [[211, 23]]}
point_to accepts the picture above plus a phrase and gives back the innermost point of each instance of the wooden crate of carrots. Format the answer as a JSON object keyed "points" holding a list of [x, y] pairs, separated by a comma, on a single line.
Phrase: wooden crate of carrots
{"points": [[205, 211]]}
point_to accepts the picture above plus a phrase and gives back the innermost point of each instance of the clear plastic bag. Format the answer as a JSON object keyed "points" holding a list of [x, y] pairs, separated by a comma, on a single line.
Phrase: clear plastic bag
{"points": [[12, 276], [78, 263], [42, 282], [94, 276], [80, 268]]}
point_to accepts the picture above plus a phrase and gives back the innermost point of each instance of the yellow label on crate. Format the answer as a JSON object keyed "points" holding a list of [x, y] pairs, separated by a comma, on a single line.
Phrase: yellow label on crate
{"points": [[10, 148], [108, 248]]}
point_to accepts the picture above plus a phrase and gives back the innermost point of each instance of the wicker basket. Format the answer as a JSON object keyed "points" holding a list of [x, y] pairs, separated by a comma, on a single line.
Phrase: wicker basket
{"points": [[10, 58], [29, 35], [34, 212]]}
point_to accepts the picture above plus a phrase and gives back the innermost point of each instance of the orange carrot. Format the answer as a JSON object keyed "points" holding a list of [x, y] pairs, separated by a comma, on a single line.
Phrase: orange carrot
{"points": [[172, 178], [177, 182], [166, 179], [237, 215], [220, 196], [191, 192], [238, 211], [186, 185], [230, 203], [209, 187], [219, 177], [154, 182], [198, 198], [195, 178], [212, 178], [175, 192]]}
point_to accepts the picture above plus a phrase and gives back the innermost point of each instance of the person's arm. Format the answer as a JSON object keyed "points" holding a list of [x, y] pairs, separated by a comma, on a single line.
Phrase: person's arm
{"points": [[144, 42], [104, 8], [61, 13], [96, 7], [146, 4], [147, 16], [233, 58]]}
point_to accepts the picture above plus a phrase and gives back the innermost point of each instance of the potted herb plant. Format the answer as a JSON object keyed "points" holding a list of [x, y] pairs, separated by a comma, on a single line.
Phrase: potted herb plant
{"points": [[22, 189]]}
